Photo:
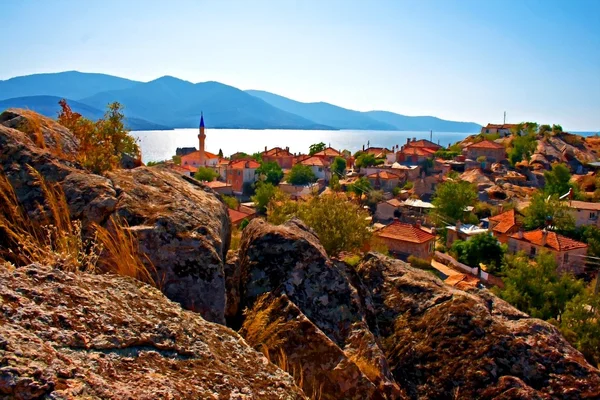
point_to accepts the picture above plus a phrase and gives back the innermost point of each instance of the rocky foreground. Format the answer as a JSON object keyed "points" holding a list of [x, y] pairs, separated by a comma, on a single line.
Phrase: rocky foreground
{"points": [[380, 330]]}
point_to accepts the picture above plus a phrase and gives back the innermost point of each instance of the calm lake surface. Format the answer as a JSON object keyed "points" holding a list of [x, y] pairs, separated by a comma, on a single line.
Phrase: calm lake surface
{"points": [[161, 145]]}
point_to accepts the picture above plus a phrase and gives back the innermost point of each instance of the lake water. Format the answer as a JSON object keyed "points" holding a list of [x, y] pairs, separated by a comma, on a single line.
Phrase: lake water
{"points": [[161, 145]]}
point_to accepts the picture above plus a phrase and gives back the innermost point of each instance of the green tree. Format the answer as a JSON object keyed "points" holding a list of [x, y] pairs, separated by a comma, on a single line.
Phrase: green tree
{"points": [[264, 192], [360, 186], [220, 155], [270, 172], [548, 210], [315, 148], [556, 128], [338, 166], [544, 128], [522, 147], [244, 224], [483, 248], [257, 156], [580, 324], [373, 198], [558, 180], [366, 160], [239, 155], [340, 224], [231, 202], [452, 197], [205, 174], [301, 175], [536, 288], [334, 183]]}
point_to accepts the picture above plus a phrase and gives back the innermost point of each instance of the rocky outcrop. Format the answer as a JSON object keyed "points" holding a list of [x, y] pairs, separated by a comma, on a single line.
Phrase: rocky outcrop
{"points": [[182, 227], [65, 335], [289, 260], [442, 342]]}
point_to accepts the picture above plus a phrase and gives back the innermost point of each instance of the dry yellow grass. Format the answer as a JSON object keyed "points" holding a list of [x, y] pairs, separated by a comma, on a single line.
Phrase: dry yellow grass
{"points": [[59, 241]]}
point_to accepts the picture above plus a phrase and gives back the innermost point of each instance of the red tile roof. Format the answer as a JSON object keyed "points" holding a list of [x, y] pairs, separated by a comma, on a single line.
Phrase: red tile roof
{"points": [[417, 151], [217, 184], [330, 151], [243, 164], [237, 216], [500, 126], [376, 151], [486, 144], [424, 143], [383, 175], [277, 152], [196, 154], [405, 232], [316, 161], [504, 221], [553, 240], [584, 205]]}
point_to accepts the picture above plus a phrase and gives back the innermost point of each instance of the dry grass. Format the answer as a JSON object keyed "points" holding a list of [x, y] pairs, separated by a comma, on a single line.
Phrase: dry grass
{"points": [[57, 240], [236, 238]]}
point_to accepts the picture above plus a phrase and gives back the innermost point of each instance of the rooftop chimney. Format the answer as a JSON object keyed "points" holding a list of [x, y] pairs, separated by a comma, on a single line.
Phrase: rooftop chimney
{"points": [[544, 237], [418, 223], [265, 148], [363, 147]]}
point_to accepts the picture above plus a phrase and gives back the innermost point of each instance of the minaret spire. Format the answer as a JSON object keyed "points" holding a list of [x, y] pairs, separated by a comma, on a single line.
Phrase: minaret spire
{"points": [[201, 138]]}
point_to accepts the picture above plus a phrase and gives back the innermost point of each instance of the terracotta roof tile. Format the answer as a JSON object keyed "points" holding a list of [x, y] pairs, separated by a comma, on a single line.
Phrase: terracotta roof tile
{"points": [[330, 151], [584, 205], [217, 184], [316, 161], [504, 221], [277, 152], [405, 232], [553, 240], [237, 216], [383, 175], [424, 143], [486, 144], [243, 164]]}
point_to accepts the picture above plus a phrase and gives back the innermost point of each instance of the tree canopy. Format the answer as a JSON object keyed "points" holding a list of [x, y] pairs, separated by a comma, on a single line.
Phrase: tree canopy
{"points": [[367, 160], [270, 172], [264, 193], [483, 248], [522, 147], [360, 186], [301, 175], [315, 148], [558, 180], [205, 174], [338, 166], [548, 210], [452, 197], [340, 224]]}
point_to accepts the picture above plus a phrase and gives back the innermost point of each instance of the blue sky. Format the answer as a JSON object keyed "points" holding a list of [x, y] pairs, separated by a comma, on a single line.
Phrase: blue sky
{"points": [[461, 60]]}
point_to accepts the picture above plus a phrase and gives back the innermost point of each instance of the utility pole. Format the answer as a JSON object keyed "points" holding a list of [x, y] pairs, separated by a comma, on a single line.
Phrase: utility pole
{"points": [[431, 136], [505, 117]]}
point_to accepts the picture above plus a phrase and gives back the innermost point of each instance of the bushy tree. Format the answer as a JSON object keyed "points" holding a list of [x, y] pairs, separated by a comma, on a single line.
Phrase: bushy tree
{"points": [[270, 172], [580, 324], [334, 183], [373, 198], [558, 180], [315, 148], [360, 186], [536, 288], [338, 166], [231, 202], [205, 174], [548, 210], [301, 175], [340, 224], [367, 160], [264, 193], [102, 143], [483, 248], [452, 197], [522, 147]]}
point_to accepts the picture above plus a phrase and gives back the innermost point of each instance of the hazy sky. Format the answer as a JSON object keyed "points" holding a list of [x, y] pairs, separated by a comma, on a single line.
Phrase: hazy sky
{"points": [[461, 60]]}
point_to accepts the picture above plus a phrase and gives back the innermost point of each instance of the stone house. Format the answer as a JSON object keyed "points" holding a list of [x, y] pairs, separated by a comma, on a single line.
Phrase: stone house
{"points": [[404, 240], [569, 253], [384, 180], [492, 151], [386, 210], [240, 172], [585, 213], [502, 129], [503, 225], [282, 157], [319, 166]]}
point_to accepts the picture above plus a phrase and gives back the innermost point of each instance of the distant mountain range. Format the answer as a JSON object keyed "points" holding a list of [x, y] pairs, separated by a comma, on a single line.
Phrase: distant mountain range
{"points": [[170, 102]]}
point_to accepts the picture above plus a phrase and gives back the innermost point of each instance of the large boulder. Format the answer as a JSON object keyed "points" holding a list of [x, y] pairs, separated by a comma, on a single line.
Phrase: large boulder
{"points": [[289, 260], [442, 342], [65, 335], [183, 228]]}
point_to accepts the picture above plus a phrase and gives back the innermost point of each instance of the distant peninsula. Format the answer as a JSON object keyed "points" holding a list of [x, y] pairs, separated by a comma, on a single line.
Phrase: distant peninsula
{"points": [[170, 103]]}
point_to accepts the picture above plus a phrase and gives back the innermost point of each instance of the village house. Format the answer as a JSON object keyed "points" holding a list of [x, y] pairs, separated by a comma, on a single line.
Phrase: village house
{"points": [[421, 144], [383, 180], [585, 213], [503, 225], [492, 151], [319, 166], [387, 210], [240, 172], [463, 232], [404, 240], [240, 214], [378, 152], [569, 254], [414, 155], [502, 129], [221, 168], [220, 187], [329, 154], [199, 158], [282, 157]]}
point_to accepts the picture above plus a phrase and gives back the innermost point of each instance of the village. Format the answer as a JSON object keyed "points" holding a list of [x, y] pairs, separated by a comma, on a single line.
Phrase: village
{"points": [[398, 186]]}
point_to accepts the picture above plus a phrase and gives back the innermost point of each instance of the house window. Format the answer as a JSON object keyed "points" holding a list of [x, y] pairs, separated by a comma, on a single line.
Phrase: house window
{"points": [[566, 258], [239, 173], [532, 251], [593, 215]]}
